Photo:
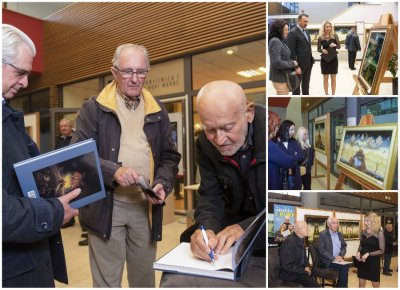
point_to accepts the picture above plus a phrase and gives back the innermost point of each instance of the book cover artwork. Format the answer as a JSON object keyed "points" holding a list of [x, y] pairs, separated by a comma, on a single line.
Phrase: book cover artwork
{"points": [[57, 180]]}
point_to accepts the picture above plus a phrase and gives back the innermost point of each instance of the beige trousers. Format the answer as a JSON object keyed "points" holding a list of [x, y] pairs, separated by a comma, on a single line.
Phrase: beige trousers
{"points": [[281, 88], [130, 241]]}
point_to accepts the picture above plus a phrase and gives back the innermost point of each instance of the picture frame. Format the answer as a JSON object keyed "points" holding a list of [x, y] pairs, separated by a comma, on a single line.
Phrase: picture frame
{"points": [[320, 136], [316, 224], [342, 30], [350, 229], [314, 33], [370, 153], [373, 57]]}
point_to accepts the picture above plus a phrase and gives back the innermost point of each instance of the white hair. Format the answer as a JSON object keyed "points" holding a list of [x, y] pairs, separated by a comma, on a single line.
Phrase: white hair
{"points": [[12, 39], [120, 48], [329, 220]]}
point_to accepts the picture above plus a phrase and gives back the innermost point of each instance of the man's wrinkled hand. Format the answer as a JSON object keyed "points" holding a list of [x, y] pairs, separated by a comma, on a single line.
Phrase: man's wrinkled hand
{"points": [[125, 176], [198, 246], [227, 237]]}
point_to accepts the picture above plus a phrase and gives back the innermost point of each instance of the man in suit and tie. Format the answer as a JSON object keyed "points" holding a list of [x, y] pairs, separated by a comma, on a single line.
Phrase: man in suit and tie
{"points": [[332, 248], [299, 43]]}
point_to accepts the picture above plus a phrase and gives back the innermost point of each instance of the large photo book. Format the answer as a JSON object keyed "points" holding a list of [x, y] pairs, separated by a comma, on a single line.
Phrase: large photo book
{"points": [[58, 172], [230, 266]]}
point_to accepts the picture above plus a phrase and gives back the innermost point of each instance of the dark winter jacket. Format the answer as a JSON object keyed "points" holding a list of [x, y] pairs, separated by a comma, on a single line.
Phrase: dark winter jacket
{"points": [[223, 188], [31, 227], [98, 120]]}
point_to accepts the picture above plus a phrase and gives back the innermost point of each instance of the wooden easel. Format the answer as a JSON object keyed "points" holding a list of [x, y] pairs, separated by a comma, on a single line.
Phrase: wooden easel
{"points": [[365, 120], [386, 21]]}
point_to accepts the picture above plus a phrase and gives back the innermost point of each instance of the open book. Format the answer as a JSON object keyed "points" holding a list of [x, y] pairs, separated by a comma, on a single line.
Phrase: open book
{"points": [[229, 266], [58, 172]]}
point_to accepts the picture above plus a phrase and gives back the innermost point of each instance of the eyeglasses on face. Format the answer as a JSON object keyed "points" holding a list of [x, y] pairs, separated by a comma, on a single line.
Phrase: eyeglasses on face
{"points": [[128, 73], [20, 72]]}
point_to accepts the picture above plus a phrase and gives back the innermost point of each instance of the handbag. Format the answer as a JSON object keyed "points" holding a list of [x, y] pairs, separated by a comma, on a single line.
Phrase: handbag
{"points": [[293, 81], [285, 182]]}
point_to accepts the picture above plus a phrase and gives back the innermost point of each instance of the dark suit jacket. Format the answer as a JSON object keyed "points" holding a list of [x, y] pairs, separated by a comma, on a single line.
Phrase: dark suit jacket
{"points": [[292, 258], [325, 246], [300, 48]]}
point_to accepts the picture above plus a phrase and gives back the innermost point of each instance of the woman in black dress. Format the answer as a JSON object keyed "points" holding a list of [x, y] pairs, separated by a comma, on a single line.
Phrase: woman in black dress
{"points": [[328, 43], [372, 245]]}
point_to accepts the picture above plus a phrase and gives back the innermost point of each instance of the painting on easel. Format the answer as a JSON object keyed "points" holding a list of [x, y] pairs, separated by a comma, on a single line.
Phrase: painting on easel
{"points": [[372, 57], [370, 152]]}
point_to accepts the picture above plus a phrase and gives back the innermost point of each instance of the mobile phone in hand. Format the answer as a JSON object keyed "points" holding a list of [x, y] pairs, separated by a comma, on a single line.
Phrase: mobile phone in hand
{"points": [[145, 187]]}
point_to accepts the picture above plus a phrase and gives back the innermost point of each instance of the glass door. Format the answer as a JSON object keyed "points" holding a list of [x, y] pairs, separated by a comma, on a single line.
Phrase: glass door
{"points": [[178, 114]]}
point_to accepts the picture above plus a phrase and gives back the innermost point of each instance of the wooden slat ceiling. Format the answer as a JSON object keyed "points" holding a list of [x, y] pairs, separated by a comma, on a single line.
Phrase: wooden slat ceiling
{"points": [[80, 39], [387, 197]]}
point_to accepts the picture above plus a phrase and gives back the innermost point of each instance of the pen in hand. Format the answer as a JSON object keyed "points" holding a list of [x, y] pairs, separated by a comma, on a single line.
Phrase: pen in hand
{"points": [[211, 254]]}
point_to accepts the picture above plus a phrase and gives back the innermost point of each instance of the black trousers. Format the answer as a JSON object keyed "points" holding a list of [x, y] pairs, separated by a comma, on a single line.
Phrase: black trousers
{"points": [[306, 180], [305, 82], [304, 279], [352, 58]]}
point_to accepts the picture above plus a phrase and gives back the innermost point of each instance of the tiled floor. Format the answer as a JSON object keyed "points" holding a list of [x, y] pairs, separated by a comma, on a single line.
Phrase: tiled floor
{"points": [[344, 80], [78, 256]]}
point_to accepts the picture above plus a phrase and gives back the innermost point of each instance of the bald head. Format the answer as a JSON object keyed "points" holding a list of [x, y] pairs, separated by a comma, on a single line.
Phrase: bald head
{"points": [[221, 94], [225, 115], [300, 228]]}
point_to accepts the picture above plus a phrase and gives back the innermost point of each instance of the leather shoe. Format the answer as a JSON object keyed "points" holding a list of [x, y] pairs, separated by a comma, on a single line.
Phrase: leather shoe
{"points": [[390, 270], [353, 68], [84, 235], [387, 274], [69, 224], [85, 243]]}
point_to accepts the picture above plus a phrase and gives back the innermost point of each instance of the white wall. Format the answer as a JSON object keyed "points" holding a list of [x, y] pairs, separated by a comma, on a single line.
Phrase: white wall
{"points": [[293, 112], [321, 11], [368, 13]]}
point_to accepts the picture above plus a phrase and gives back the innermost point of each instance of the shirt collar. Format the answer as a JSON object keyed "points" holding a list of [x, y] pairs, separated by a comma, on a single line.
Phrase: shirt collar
{"points": [[332, 232]]}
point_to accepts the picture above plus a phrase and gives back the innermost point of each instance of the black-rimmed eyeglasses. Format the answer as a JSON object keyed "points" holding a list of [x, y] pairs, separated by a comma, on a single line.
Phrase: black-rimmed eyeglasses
{"points": [[128, 73], [20, 71]]}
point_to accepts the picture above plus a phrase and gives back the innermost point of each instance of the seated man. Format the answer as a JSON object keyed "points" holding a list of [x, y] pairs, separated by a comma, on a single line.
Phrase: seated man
{"points": [[293, 259], [332, 248], [231, 157]]}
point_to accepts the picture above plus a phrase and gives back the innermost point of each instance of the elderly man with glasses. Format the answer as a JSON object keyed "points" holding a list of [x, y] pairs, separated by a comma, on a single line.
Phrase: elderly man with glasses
{"points": [[33, 254], [133, 136]]}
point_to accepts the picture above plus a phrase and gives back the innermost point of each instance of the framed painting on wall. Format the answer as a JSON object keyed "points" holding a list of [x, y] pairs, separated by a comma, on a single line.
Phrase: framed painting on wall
{"points": [[316, 224], [372, 59], [370, 152], [319, 136], [350, 229], [341, 31]]}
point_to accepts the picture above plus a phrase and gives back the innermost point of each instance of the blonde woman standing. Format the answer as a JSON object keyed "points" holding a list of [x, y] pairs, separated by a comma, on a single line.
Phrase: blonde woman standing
{"points": [[372, 245], [328, 43], [308, 151]]}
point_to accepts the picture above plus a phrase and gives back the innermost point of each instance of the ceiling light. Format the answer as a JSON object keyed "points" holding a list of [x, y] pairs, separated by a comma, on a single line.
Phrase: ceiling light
{"points": [[251, 73], [229, 51], [263, 69]]}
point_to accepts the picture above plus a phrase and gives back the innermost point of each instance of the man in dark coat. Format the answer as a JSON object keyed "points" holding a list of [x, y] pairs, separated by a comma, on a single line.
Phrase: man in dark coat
{"points": [[387, 256], [133, 136], [299, 43], [332, 248], [293, 260], [231, 158], [33, 254], [352, 43]]}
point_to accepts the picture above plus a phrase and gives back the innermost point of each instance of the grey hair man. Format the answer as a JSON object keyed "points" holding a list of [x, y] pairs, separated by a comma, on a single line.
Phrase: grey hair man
{"points": [[332, 249], [33, 255], [134, 141], [294, 266]]}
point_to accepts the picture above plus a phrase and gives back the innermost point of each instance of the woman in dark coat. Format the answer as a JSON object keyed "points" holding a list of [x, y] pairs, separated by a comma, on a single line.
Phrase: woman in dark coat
{"points": [[290, 145], [278, 159], [279, 55]]}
